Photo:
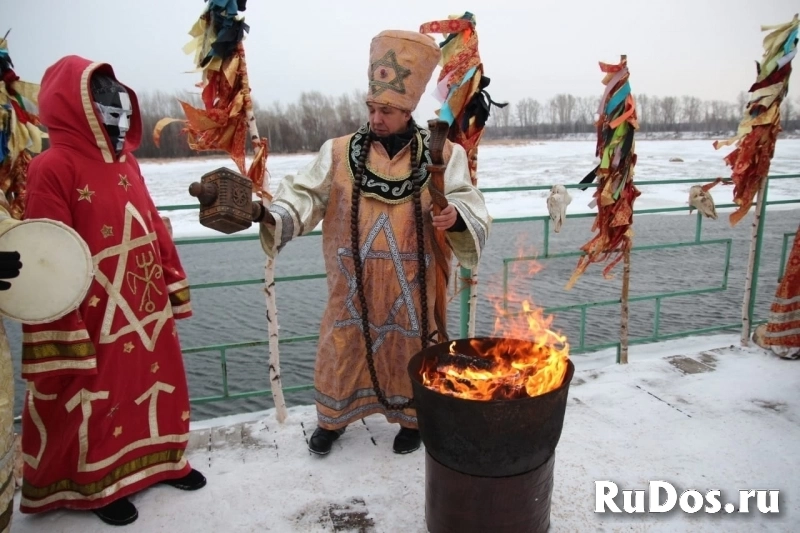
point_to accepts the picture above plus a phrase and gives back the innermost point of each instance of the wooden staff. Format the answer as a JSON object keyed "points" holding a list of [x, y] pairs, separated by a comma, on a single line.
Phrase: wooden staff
{"points": [[751, 263], [623, 312], [755, 145], [614, 238], [269, 267], [626, 280], [439, 131]]}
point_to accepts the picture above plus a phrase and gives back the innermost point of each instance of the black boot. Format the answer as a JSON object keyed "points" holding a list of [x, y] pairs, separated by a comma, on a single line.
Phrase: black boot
{"points": [[118, 513], [192, 481], [322, 439], [407, 440]]}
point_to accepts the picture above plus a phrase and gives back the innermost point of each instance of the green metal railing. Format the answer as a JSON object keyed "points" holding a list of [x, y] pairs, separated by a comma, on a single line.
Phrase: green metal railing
{"points": [[581, 347]]}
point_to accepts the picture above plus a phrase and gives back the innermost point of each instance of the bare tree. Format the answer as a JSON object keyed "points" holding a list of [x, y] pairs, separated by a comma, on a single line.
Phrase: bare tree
{"points": [[690, 108], [565, 106], [654, 111], [669, 111], [586, 110], [503, 116], [522, 112]]}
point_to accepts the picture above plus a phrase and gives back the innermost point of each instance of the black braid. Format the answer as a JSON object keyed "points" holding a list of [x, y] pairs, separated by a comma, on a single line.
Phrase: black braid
{"points": [[359, 267], [417, 192]]}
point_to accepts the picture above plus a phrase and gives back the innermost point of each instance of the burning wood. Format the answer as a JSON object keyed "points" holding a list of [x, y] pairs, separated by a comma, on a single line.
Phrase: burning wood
{"points": [[505, 368], [464, 361]]}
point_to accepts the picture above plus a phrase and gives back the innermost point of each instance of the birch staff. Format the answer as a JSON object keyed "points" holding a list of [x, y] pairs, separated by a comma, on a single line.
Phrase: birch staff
{"points": [[224, 124], [465, 102], [616, 192], [755, 142]]}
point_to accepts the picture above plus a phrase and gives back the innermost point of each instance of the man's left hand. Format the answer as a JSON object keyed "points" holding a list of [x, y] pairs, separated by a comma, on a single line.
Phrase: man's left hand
{"points": [[445, 219]]}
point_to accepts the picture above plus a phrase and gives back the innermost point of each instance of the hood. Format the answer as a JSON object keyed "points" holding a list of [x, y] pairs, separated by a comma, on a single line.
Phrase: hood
{"points": [[66, 108]]}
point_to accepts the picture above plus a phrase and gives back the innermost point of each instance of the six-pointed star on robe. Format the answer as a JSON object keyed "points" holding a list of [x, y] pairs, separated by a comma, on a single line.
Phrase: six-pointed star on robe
{"points": [[114, 287], [407, 288]]}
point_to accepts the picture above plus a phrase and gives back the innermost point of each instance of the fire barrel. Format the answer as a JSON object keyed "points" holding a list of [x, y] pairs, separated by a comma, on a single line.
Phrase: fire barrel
{"points": [[489, 464]]}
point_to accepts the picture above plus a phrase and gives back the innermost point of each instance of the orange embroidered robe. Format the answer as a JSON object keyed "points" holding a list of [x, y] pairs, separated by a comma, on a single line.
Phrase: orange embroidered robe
{"points": [[322, 192]]}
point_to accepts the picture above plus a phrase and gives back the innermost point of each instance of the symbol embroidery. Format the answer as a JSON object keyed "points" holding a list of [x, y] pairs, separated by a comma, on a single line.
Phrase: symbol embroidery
{"points": [[123, 182], [119, 253], [85, 194], [397, 84], [145, 262], [407, 288]]}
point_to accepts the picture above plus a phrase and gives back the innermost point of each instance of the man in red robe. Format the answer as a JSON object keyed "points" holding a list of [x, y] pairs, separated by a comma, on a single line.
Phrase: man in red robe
{"points": [[107, 409]]}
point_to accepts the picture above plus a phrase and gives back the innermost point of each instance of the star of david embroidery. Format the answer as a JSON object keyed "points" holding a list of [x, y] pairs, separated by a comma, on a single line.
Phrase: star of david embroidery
{"points": [[388, 62], [114, 287], [404, 299]]}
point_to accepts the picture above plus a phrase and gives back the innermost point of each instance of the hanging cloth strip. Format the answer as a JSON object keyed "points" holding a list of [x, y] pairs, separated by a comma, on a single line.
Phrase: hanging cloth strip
{"points": [[616, 191], [760, 124]]}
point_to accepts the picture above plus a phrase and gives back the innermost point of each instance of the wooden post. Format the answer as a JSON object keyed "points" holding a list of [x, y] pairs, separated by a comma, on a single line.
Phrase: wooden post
{"points": [[623, 326], [269, 267], [751, 263], [626, 278]]}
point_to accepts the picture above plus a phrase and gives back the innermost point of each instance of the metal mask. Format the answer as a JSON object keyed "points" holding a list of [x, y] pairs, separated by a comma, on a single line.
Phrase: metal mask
{"points": [[113, 103]]}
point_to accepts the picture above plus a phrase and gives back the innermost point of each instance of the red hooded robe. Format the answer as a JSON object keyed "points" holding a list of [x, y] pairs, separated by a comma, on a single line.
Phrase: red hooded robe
{"points": [[107, 408]]}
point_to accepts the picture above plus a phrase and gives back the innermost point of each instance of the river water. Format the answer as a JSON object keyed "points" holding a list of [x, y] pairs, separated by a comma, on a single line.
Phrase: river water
{"points": [[237, 314]]}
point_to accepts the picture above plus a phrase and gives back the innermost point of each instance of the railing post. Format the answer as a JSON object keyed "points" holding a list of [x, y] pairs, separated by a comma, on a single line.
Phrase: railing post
{"points": [[466, 274], [546, 237], [698, 230]]}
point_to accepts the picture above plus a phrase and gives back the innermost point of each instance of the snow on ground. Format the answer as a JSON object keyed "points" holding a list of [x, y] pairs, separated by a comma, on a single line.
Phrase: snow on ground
{"points": [[533, 163], [717, 416]]}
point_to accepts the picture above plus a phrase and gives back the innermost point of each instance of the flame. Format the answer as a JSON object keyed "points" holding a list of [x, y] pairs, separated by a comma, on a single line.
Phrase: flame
{"points": [[524, 358]]}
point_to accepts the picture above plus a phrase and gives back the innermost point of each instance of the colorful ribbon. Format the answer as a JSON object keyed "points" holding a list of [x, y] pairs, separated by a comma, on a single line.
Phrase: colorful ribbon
{"points": [[222, 124], [616, 191], [760, 125], [20, 135], [462, 84]]}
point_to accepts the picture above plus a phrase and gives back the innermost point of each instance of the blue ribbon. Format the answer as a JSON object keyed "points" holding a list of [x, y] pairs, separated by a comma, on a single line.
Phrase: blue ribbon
{"points": [[446, 112], [618, 97], [789, 44]]}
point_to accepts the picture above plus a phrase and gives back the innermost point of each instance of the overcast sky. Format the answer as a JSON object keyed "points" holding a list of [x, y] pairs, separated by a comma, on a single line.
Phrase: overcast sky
{"points": [[704, 48]]}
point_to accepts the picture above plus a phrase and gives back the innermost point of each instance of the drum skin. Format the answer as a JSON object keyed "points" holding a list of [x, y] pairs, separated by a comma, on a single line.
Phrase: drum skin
{"points": [[56, 274]]}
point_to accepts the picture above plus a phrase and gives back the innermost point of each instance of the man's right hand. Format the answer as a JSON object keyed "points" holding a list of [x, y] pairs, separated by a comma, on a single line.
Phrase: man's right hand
{"points": [[10, 266]]}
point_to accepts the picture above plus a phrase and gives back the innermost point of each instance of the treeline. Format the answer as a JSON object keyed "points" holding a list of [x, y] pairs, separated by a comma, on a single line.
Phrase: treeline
{"points": [[305, 124], [297, 127], [566, 114]]}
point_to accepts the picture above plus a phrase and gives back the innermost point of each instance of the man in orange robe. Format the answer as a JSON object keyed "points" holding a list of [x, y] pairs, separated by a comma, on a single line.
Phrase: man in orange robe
{"points": [[371, 191]]}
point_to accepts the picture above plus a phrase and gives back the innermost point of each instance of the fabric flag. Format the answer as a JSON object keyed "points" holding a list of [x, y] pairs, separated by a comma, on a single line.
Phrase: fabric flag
{"points": [[224, 121], [461, 87], [760, 125], [615, 194], [20, 136]]}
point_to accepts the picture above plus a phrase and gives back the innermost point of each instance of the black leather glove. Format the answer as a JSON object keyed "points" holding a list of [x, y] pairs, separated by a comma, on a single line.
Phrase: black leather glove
{"points": [[9, 268]]}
